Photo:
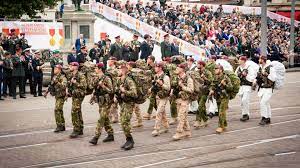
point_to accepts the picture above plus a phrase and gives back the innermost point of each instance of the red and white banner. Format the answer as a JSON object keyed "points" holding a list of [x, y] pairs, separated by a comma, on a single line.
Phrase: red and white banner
{"points": [[40, 35], [281, 18], [143, 28]]}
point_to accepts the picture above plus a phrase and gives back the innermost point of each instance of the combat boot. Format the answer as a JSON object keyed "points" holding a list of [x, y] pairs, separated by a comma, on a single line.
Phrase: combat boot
{"points": [[203, 124], [188, 134], [219, 130], [164, 130], [173, 121], [155, 133], [109, 138], [197, 124], [263, 121], [147, 116], [59, 129], [268, 120], [178, 136], [74, 134], [94, 140], [245, 118], [216, 114], [138, 124], [210, 115], [130, 143]]}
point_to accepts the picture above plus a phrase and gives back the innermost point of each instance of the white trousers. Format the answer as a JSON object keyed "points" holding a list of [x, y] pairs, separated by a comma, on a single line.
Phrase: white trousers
{"points": [[244, 94], [193, 106], [265, 95], [213, 106]]}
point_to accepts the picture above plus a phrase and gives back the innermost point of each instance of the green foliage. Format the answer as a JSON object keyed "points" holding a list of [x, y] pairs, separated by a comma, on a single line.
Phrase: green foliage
{"points": [[14, 9]]}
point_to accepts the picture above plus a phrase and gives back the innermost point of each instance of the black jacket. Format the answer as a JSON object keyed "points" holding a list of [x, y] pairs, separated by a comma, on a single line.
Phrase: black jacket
{"points": [[146, 50]]}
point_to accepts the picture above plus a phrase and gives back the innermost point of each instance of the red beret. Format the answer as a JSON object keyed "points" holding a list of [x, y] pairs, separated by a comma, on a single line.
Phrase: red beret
{"points": [[263, 57], [135, 35], [22, 34], [112, 58], [132, 64], [100, 65], [182, 65], [213, 57], [58, 66], [12, 30], [166, 35], [74, 64], [160, 64], [168, 59], [191, 59], [243, 58], [201, 63]]}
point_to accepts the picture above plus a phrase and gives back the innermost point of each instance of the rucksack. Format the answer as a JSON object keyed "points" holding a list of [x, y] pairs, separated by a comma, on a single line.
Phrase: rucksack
{"points": [[198, 82], [280, 74], [235, 81], [143, 83], [89, 72]]}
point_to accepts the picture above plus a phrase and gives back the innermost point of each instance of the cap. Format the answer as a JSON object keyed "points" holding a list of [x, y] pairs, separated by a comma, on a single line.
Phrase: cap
{"points": [[82, 47], [58, 66], [12, 30], [74, 64], [191, 59], [166, 35], [147, 36], [112, 58], [243, 58], [263, 57], [37, 51], [117, 37], [136, 35], [182, 65], [201, 63], [27, 49], [160, 64], [100, 65], [168, 59], [22, 34], [56, 52], [213, 57]]}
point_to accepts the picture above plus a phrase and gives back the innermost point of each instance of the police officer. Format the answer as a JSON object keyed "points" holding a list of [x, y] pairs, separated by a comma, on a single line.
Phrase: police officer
{"points": [[37, 65], [103, 95], [186, 88], [57, 88], [162, 88], [76, 88], [127, 91]]}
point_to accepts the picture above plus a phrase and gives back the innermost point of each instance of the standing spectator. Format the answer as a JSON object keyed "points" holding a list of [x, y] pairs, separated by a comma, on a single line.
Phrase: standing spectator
{"points": [[94, 53], [146, 47], [37, 64], [7, 74], [18, 74], [23, 43], [135, 45], [28, 70], [105, 52], [71, 56], [81, 56], [55, 60], [79, 43], [126, 52], [102, 43], [116, 48], [1, 76], [175, 47], [166, 47]]}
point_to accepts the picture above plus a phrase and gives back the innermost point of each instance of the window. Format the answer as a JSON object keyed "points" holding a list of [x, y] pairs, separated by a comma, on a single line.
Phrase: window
{"points": [[85, 30], [67, 32]]}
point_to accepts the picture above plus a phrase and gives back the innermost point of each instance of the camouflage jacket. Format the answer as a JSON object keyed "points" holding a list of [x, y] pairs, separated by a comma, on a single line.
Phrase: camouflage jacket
{"points": [[130, 89], [164, 90], [207, 79], [262, 80], [55, 61], [187, 90], [60, 85], [105, 94], [78, 88], [220, 91]]}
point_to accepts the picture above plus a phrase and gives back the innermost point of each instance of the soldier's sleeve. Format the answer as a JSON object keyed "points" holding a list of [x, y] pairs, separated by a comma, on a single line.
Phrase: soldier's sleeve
{"points": [[167, 83], [109, 86], [82, 82], [190, 86], [228, 83], [209, 77], [132, 92], [162, 45]]}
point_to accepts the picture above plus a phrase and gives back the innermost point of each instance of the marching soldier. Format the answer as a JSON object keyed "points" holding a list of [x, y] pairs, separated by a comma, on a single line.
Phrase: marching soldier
{"points": [[127, 92], [136, 47], [166, 47], [201, 115], [76, 89], [161, 87], [103, 95], [265, 81], [193, 107], [219, 87], [183, 94], [113, 72], [247, 76], [57, 88], [116, 48], [37, 65], [213, 107], [152, 104], [55, 60]]}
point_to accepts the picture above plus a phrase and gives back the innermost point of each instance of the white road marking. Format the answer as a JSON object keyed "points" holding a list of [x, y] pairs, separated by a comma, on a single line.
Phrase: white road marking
{"points": [[25, 146], [293, 82], [285, 153], [40, 108], [158, 163], [268, 140]]}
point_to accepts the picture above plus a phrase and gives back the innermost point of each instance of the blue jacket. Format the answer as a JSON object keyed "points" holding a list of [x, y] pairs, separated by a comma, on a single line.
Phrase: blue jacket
{"points": [[78, 45]]}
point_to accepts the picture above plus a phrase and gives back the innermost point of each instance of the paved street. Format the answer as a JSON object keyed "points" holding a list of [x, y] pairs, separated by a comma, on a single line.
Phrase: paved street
{"points": [[27, 138]]}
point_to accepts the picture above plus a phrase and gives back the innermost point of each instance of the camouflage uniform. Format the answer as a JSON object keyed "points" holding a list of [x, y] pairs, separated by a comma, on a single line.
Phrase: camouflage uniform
{"points": [[201, 114], [113, 115], [213, 107], [127, 103], [60, 85], [104, 97], [182, 101], [55, 61], [222, 97], [152, 98], [162, 98], [170, 68], [77, 91]]}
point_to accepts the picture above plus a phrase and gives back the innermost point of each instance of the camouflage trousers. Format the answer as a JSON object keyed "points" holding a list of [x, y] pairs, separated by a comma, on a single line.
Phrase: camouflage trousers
{"points": [[152, 104], [161, 116], [137, 112], [76, 114], [173, 108], [113, 115], [58, 111], [222, 108], [201, 114], [104, 110], [183, 123], [125, 116]]}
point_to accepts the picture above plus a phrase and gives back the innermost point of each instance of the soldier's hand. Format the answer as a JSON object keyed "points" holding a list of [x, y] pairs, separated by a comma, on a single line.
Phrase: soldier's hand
{"points": [[211, 93], [73, 80], [160, 82], [223, 82], [122, 89], [180, 83]]}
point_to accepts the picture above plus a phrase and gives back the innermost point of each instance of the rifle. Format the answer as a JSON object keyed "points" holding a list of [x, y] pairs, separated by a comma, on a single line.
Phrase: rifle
{"points": [[51, 88]]}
